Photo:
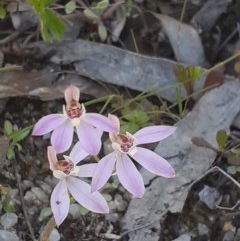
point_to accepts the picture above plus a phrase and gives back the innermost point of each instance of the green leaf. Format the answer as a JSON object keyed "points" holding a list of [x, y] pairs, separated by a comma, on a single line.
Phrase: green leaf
{"points": [[40, 5], [45, 213], [103, 4], [83, 211], [186, 74], [8, 127], [102, 32], [20, 134], [221, 138], [10, 153], [51, 23], [19, 147], [130, 127], [8, 206], [90, 14], [2, 12], [70, 7]]}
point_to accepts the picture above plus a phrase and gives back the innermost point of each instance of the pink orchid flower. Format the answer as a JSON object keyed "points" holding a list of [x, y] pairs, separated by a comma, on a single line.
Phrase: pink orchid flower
{"points": [[89, 126], [67, 172], [125, 147]]}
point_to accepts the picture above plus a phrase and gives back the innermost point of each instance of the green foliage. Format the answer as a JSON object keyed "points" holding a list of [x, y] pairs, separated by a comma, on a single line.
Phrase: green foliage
{"points": [[95, 12], [45, 213], [102, 32], [179, 100], [221, 138], [128, 8], [14, 137], [8, 206], [70, 7], [2, 12], [133, 119], [51, 23], [83, 211], [188, 74]]}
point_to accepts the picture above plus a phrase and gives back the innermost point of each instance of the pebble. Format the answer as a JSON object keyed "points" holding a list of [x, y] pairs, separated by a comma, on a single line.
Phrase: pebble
{"points": [[40, 194], [8, 220], [112, 217], [45, 187], [29, 197], [8, 236], [121, 204], [54, 235], [74, 211]]}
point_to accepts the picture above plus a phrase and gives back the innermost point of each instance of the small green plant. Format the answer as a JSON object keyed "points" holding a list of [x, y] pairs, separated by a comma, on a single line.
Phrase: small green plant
{"points": [[94, 13], [2, 10], [14, 135], [50, 22], [133, 119]]}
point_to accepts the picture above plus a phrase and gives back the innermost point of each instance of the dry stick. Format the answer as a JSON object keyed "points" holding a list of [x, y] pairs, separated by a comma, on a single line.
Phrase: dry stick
{"points": [[18, 178], [44, 236]]}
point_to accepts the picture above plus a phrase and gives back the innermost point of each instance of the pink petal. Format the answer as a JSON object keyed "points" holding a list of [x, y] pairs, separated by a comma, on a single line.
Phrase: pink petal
{"points": [[62, 136], [71, 93], [129, 176], [52, 157], [81, 192], [115, 121], [103, 171], [60, 202], [87, 170], [100, 121], [48, 123], [152, 134], [78, 153], [153, 162], [89, 138]]}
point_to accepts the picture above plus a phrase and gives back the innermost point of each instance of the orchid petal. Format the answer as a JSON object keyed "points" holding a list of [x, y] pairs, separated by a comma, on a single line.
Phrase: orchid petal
{"points": [[152, 134], [62, 136], [60, 202], [81, 192], [52, 157], [153, 162], [100, 121], [59, 174], [103, 171], [71, 93], [114, 119], [48, 123], [129, 176], [87, 170], [89, 138], [78, 153]]}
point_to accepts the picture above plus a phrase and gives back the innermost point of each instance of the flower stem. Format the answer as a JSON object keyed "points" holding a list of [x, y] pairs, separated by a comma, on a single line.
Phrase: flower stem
{"points": [[44, 236]]}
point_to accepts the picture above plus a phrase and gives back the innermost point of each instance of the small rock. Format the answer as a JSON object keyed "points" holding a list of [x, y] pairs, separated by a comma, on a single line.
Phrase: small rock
{"points": [[202, 229], [8, 236], [183, 237], [29, 197], [74, 211], [8, 220], [210, 196], [40, 194], [228, 236], [112, 217], [45, 187], [54, 235], [27, 184], [121, 204], [107, 197]]}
